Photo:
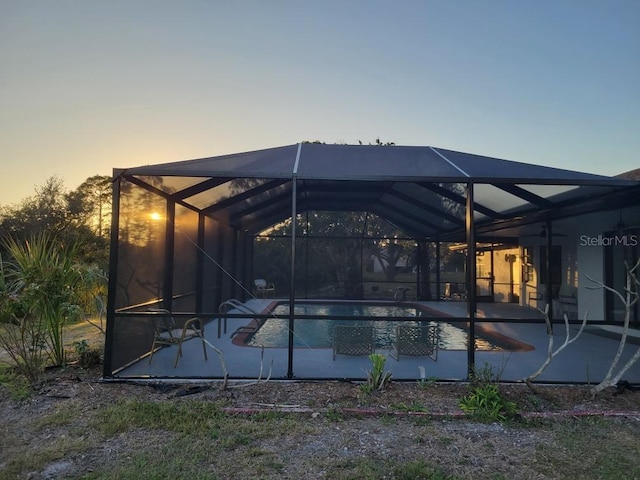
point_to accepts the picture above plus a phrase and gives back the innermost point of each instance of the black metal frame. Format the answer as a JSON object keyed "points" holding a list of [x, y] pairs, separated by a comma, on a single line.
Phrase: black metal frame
{"points": [[242, 217]]}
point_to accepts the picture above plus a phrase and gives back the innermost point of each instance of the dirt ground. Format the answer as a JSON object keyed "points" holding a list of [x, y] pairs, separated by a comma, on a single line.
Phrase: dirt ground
{"points": [[434, 399], [359, 432]]}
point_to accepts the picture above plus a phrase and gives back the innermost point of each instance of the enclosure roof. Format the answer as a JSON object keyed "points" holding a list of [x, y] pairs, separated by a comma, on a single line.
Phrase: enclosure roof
{"points": [[421, 190], [373, 162]]}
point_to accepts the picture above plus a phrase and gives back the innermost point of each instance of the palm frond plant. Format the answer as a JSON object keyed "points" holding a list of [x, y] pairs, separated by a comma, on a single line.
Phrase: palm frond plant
{"points": [[46, 282], [22, 334]]}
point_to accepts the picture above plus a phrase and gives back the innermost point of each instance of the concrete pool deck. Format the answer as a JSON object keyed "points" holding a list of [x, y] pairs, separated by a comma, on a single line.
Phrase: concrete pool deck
{"points": [[584, 361]]}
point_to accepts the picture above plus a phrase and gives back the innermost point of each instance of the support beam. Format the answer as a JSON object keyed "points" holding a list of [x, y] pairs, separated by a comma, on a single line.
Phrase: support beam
{"points": [[200, 258], [292, 289], [438, 277], [246, 195], [525, 195], [549, 279], [471, 280], [169, 247], [459, 199], [220, 250], [107, 369]]}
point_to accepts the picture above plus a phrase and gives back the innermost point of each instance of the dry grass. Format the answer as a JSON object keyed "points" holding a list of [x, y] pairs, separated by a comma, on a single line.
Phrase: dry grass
{"points": [[74, 332], [77, 427]]}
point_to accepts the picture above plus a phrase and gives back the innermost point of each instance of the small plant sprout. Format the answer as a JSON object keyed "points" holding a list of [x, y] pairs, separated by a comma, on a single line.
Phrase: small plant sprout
{"points": [[377, 378]]}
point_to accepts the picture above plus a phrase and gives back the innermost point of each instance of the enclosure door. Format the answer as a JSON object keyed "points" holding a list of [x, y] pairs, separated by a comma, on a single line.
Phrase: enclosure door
{"points": [[484, 275], [484, 289]]}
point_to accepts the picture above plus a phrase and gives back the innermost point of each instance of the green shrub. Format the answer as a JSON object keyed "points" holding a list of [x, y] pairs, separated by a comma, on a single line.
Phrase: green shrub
{"points": [[87, 357], [485, 401]]}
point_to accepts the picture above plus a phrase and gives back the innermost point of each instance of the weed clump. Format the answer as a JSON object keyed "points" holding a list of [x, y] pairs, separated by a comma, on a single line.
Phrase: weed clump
{"points": [[377, 378], [485, 402]]}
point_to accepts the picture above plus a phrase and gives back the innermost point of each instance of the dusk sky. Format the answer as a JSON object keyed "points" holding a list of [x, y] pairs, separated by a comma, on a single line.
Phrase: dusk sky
{"points": [[86, 86]]}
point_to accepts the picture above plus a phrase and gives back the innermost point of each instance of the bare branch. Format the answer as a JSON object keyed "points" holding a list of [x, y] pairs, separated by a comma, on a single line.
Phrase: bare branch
{"points": [[630, 298], [600, 285], [551, 354], [223, 364]]}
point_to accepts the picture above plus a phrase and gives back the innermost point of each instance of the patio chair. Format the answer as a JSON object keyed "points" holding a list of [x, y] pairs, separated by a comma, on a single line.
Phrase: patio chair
{"points": [[416, 341], [264, 289], [353, 340], [167, 332]]}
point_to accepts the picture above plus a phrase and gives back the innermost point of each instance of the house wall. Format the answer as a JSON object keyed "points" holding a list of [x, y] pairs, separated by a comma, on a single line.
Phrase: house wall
{"points": [[580, 260], [591, 261], [592, 257]]}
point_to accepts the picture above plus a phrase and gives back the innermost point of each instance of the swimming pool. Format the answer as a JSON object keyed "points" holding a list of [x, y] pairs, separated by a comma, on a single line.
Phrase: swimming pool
{"points": [[318, 332]]}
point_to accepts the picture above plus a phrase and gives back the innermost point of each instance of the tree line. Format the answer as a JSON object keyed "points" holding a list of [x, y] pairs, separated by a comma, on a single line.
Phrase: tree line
{"points": [[79, 217]]}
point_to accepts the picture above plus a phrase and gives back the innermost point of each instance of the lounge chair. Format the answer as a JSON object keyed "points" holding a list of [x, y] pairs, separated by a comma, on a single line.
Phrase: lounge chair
{"points": [[353, 340], [264, 289], [167, 332], [417, 341]]}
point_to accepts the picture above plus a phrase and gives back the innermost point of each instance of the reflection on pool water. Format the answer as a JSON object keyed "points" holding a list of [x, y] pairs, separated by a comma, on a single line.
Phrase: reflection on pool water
{"points": [[318, 333]]}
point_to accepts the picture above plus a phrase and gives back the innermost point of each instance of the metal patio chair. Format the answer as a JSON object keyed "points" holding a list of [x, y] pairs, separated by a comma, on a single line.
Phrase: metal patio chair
{"points": [[416, 341], [168, 332], [353, 340]]}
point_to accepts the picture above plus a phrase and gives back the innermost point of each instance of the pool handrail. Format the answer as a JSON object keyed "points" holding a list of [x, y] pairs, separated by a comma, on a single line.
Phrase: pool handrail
{"points": [[234, 304]]}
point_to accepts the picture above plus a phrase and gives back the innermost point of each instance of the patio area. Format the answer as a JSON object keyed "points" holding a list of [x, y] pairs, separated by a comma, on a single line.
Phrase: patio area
{"points": [[584, 361]]}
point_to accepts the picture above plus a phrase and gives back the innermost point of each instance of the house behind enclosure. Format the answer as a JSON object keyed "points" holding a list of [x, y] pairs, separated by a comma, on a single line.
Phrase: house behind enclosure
{"points": [[189, 236]]}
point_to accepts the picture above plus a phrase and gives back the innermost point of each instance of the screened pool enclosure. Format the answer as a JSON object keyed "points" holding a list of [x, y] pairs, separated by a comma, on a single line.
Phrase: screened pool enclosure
{"points": [[248, 265]]}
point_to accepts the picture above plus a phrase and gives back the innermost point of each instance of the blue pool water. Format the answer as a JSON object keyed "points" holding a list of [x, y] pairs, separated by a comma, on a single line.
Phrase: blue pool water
{"points": [[318, 333]]}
